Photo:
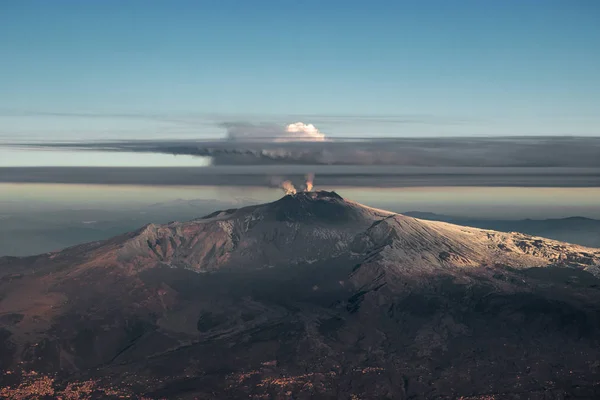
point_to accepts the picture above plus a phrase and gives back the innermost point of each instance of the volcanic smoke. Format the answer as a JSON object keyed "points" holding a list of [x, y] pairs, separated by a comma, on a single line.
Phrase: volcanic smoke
{"points": [[288, 187], [310, 178]]}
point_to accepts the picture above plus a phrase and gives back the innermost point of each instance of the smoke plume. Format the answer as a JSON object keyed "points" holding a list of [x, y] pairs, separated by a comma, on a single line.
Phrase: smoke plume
{"points": [[288, 187], [310, 177]]}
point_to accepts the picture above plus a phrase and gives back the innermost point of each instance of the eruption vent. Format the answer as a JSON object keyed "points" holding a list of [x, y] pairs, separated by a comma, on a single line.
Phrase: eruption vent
{"points": [[310, 178], [288, 187]]}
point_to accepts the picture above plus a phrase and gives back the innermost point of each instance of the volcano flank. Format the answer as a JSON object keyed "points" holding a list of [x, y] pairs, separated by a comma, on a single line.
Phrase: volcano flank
{"points": [[310, 296]]}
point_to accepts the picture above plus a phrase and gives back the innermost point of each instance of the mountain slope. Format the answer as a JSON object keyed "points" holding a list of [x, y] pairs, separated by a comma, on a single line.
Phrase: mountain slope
{"points": [[578, 230], [312, 295]]}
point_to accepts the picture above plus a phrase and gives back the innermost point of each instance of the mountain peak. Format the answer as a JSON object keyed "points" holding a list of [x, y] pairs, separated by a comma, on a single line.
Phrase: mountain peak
{"points": [[317, 206], [315, 195]]}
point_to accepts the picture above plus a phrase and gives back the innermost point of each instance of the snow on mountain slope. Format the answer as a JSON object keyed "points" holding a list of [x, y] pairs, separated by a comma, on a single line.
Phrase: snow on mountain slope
{"points": [[321, 225]]}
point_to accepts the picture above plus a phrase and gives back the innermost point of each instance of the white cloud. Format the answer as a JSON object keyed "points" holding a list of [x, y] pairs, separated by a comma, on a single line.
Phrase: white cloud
{"points": [[302, 131], [297, 131]]}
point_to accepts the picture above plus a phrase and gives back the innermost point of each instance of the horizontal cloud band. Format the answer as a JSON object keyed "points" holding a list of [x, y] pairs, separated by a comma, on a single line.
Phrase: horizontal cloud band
{"points": [[327, 176], [434, 152]]}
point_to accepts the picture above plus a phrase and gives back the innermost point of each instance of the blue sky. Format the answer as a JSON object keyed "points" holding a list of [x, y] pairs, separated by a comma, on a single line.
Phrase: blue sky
{"points": [[176, 68]]}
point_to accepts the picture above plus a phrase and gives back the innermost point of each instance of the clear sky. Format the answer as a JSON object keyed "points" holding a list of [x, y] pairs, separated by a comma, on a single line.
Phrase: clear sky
{"points": [[176, 68]]}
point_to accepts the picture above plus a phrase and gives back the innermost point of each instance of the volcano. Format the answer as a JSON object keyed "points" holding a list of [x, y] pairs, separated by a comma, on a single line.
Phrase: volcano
{"points": [[310, 296]]}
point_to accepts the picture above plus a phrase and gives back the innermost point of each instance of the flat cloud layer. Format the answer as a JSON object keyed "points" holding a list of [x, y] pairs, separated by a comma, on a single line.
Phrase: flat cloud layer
{"points": [[325, 176], [254, 154], [250, 146]]}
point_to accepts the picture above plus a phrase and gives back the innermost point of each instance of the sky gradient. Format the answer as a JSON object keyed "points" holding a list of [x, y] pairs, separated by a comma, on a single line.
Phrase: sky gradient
{"points": [[95, 69]]}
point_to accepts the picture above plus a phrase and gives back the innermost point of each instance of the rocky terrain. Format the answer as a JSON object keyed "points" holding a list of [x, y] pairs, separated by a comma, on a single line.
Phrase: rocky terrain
{"points": [[311, 296]]}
